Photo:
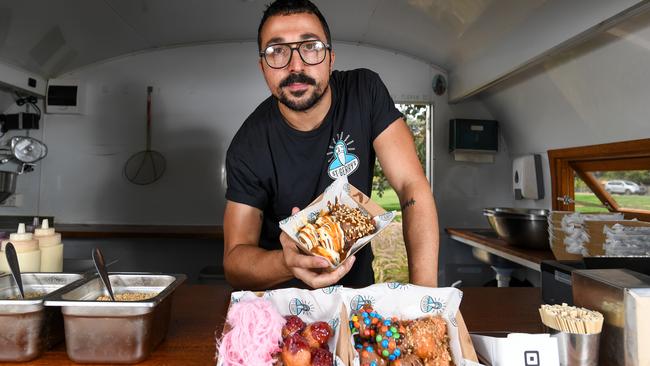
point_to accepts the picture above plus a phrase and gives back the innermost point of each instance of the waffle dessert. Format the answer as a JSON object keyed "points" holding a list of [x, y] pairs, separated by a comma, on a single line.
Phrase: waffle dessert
{"points": [[335, 231]]}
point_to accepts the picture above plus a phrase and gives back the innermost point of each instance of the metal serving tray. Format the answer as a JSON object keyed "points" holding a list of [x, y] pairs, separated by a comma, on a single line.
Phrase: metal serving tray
{"points": [[120, 331], [27, 326]]}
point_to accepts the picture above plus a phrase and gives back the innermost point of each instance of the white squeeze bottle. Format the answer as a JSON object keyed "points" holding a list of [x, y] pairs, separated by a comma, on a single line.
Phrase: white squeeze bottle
{"points": [[49, 241], [29, 255]]}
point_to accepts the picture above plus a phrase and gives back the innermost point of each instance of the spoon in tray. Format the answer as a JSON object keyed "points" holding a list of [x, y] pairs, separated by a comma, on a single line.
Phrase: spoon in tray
{"points": [[100, 265]]}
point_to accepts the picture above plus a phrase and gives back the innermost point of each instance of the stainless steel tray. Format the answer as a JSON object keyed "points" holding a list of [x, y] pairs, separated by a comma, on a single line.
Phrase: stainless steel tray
{"points": [[48, 284], [26, 326], [86, 293], [120, 331]]}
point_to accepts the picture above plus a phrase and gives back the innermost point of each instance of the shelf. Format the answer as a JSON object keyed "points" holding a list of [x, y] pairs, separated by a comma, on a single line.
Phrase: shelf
{"points": [[487, 240], [141, 231]]}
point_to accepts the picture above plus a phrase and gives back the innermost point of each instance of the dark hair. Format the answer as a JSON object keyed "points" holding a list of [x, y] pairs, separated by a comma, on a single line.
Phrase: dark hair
{"points": [[288, 7]]}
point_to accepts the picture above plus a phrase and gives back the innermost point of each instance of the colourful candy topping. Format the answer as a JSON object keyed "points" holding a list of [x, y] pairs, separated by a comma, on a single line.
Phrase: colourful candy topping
{"points": [[385, 334]]}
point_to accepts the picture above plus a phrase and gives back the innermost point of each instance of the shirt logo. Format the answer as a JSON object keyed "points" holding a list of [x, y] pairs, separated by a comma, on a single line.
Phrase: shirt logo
{"points": [[341, 161]]}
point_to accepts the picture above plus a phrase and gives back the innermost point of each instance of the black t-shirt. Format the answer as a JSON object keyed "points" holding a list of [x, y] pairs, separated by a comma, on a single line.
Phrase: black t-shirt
{"points": [[274, 167]]}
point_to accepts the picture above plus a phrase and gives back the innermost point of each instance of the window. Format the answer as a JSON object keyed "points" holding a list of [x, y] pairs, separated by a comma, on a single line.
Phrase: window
{"points": [[419, 120], [585, 200], [391, 263], [613, 177]]}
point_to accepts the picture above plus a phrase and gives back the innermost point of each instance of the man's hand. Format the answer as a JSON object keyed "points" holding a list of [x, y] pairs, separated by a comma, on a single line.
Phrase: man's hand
{"points": [[312, 270]]}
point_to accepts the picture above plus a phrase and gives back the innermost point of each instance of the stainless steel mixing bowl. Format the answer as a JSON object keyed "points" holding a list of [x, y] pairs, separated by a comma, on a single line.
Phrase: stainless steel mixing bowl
{"points": [[521, 227]]}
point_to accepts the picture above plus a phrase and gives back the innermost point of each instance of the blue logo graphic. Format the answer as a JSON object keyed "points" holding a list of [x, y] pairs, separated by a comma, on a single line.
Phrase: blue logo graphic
{"points": [[430, 305], [341, 161], [312, 216], [334, 323], [397, 285], [452, 320], [331, 289], [358, 301], [387, 216], [297, 307], [235, 299]]}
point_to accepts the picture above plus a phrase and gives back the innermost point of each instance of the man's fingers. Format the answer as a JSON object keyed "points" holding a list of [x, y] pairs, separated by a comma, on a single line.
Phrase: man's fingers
{"points": [[309, 261], [295, 210], [294, 258], [318, 280]]}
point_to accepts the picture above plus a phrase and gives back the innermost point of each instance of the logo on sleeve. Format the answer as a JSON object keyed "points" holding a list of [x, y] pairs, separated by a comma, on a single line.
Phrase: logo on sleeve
{"points": [[341, 161]]}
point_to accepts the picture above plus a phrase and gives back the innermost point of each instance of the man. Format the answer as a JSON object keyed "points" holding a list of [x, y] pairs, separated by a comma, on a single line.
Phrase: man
{"points": [[318, 124]]}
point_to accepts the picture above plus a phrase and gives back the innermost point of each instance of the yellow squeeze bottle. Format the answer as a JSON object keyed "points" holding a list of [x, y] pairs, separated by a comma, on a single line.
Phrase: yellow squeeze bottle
{"points": [[49, 241], [29, 255]]}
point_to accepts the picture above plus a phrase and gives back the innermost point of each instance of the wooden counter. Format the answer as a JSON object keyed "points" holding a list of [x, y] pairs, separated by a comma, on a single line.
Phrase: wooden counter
{"points": [[486, 239], [199, 311]]}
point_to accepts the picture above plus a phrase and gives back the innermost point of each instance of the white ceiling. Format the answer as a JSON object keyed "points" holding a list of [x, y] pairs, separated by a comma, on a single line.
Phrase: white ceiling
{"points": [[50, 37]]}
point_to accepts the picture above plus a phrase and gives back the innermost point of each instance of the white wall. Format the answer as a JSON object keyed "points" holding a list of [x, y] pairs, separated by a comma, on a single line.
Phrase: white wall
{"points": [[597, 93], [201, 96], [6, 100]]}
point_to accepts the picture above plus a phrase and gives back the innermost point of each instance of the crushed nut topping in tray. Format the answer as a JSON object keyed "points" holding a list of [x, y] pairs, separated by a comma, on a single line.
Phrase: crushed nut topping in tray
{"points": [[128, 297]]}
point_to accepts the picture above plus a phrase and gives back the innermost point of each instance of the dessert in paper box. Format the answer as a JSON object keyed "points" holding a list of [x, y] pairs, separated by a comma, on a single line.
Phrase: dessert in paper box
{"points": [[338, 223], [290, 327], [401, 325], [384, 324]]}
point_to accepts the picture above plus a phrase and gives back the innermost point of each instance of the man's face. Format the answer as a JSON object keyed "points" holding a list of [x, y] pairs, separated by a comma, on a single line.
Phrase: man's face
{"points": [[298, 85]]}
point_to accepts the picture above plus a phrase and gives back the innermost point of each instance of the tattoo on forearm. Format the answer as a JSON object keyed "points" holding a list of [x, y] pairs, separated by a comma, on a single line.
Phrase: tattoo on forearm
{"points": [[408, 204]]}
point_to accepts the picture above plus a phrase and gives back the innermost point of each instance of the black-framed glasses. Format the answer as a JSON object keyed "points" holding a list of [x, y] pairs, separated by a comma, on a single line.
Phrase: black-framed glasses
{"points": [[312, 52]]}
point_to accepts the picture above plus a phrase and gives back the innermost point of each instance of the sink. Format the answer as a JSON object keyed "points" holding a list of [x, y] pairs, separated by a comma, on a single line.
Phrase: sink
{"points": [[503, 268]]}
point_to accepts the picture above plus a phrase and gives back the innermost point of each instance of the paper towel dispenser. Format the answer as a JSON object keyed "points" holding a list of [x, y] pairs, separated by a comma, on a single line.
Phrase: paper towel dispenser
{"points": [[527, 177]]}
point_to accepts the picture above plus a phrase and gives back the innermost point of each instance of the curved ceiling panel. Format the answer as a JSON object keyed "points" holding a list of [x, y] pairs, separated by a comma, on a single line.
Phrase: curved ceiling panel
{"points": [[53, 37]]}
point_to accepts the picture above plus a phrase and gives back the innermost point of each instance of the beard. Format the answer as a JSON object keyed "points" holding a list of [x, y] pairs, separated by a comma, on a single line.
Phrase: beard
{"points": [[300, 104]]}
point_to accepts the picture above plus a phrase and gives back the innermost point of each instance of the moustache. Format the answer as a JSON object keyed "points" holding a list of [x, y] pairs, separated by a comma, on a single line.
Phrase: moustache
{"points": [[297, 78]]}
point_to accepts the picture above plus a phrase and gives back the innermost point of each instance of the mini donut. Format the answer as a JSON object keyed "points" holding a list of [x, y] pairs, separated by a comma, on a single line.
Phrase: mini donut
{"points": [[321, 357], [427, 338], [296, 351], [317, 334], [365, 322], [390, 335], [408, 360], [369, 357], [293, 325]]}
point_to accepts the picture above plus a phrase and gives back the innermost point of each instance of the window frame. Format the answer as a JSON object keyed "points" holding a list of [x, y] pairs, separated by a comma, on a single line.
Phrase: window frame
{"points": [[625, 155]]}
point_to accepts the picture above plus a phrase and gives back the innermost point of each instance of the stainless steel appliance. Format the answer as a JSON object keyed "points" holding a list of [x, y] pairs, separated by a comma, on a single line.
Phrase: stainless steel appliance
{"points": [[557, 281], [608, 291]]}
